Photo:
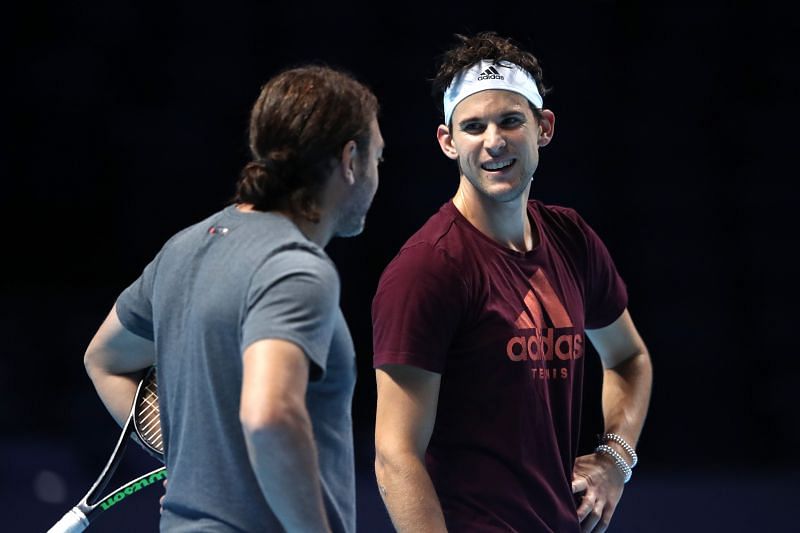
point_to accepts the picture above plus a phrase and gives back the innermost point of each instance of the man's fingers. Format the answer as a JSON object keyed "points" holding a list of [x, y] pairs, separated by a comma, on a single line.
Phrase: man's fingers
{"points": [[579, 484], [592, 518], [161, 499], [605, 521], [585, 508]]}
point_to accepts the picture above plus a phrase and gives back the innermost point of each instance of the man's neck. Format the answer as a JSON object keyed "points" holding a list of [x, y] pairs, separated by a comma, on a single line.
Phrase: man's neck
{"points": [[506, 223]]}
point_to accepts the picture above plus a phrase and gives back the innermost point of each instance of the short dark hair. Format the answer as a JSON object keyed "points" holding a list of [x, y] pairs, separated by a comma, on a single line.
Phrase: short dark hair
{"points": [[298, 126], [485, 45]]}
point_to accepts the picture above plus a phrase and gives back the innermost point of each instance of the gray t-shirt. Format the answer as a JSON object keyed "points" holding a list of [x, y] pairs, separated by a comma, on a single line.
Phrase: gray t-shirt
{"points": [[214, 289]]}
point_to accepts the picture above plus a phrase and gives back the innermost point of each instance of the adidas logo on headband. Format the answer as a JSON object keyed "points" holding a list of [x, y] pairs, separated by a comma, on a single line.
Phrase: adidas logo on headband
{"points": [[490, 74]]}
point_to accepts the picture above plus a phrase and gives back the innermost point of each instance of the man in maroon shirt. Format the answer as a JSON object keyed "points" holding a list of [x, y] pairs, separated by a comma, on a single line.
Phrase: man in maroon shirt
{"points": [[480, 324]]}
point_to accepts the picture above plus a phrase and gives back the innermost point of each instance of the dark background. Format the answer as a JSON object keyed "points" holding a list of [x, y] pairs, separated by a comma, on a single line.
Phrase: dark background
{"points": [[676, 135]]}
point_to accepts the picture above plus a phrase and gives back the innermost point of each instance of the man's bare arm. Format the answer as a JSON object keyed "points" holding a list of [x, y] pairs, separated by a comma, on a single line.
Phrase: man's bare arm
{"points": [[278, 433], [627, 382], [114, 361], [406, 412]]}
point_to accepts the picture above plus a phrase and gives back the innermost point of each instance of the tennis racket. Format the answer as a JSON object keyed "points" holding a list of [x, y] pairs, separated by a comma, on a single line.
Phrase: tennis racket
{"points": [[143, 420]]}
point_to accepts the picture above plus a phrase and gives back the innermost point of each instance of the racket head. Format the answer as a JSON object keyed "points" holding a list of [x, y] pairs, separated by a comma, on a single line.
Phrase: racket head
{"points": [[146, 416]]}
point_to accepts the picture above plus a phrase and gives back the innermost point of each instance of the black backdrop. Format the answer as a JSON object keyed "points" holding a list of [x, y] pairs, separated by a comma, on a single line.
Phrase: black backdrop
{"points": [[675, 130]]}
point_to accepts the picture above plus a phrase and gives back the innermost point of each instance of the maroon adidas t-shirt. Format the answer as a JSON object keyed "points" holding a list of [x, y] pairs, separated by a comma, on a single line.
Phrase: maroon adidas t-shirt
{"points": [[505, 330]]}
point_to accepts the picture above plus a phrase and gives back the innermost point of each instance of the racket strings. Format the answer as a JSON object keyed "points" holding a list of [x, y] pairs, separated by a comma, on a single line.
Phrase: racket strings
{"points": [[148, 423]]}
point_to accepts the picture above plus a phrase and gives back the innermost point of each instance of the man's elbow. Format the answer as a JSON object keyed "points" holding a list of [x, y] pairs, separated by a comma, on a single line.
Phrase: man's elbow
{"points": [[393, 457], [92, 359], [383, 463], [272, 419], [382, 458]]}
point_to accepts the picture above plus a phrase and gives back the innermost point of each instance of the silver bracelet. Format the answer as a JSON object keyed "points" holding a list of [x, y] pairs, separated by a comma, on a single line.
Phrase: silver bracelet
{"points": [[618, 460], [625, 446]]}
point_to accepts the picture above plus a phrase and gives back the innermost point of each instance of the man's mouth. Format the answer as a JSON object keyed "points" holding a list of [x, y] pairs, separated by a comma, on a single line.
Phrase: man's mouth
{"points": [[494, 166]]}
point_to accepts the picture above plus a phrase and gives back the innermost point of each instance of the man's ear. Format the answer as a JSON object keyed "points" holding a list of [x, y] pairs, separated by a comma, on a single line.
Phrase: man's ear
{"points": [[446, 142], [348, 162], [546, 127]]}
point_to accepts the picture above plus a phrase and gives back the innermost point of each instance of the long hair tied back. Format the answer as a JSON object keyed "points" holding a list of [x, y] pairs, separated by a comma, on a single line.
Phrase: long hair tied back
{"points": [[298, 126]]}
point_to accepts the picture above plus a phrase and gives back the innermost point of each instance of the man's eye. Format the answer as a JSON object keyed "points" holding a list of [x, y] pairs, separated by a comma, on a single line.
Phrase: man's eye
{"points": [[511, 122], [473, 127]]}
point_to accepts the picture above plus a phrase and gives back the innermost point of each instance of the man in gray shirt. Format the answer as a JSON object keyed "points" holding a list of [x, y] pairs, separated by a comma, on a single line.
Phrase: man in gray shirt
{"points": [[240, 313]]}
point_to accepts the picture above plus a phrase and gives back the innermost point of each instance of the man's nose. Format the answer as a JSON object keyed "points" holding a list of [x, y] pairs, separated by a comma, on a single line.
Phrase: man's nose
{"points": [[494, 141]]}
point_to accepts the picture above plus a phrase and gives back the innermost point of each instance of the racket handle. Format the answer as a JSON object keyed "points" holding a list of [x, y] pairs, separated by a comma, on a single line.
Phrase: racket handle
{"points": [[72, 522]]}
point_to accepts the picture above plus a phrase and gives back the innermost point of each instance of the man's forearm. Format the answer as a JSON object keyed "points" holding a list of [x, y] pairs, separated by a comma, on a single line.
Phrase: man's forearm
{"points": [[114, 361], [626, 396], [408, 494], [284, 459], [115, 391]]}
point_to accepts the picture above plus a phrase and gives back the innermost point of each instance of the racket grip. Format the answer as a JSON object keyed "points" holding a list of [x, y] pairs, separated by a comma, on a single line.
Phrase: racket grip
{"points": [[72, 522]]}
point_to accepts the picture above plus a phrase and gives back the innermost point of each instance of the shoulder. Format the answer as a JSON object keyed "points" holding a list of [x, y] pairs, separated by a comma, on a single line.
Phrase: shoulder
{"points": [[270, 249], [305, 256], [556, 215], [435, 248], [295, 258], [562, 222], [418, 262], [267, 240], [437, 229]]}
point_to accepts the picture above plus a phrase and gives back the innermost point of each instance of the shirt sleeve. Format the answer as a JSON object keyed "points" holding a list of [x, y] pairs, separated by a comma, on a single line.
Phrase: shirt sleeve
{"points": [[293, 296], [135, 305], [417, 309], [606, 294]]}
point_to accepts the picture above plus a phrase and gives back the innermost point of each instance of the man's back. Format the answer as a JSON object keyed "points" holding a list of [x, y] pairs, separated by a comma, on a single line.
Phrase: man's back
{"points": [[214, 289]]}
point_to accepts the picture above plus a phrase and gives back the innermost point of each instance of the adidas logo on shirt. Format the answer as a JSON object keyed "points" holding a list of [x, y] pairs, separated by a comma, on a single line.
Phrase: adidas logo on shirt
{"points": [[490, 74]]}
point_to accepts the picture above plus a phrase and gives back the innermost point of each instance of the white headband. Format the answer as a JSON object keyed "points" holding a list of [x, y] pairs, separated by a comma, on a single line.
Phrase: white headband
{"points": [[490, 74]]}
